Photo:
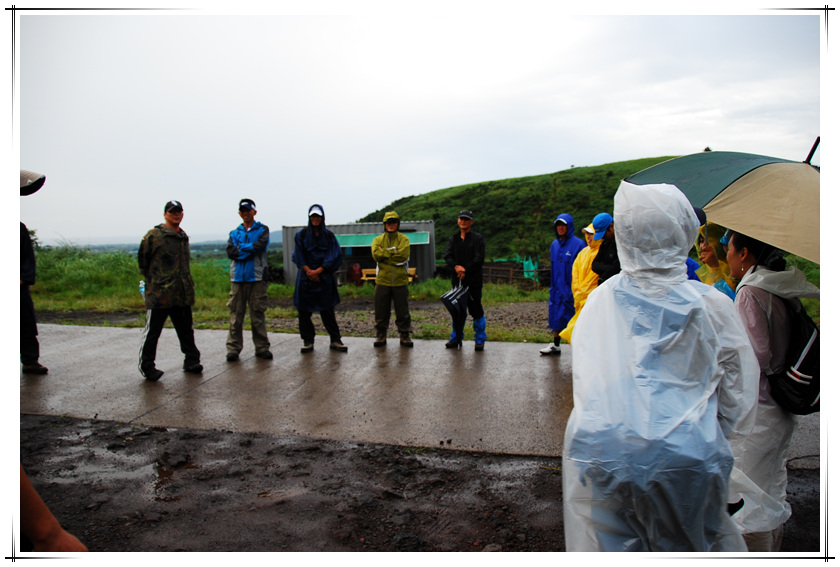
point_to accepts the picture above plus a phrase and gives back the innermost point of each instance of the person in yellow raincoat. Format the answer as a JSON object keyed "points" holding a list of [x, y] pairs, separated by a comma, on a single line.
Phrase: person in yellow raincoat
{"points": [[391, 250], [714, 269], [584, 280]]}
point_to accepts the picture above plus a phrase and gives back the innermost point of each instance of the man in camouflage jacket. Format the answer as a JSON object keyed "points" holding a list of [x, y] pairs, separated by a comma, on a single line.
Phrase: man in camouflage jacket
{"points": [[164, 261]]}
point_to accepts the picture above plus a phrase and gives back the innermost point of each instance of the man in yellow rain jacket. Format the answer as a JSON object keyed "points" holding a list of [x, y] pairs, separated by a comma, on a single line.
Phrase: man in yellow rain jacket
{"points": [[391, 251], [584, 280]]}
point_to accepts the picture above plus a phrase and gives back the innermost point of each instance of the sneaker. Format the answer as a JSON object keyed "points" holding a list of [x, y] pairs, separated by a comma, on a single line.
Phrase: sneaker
{"points": [[36, 368], [265, 355], [405, 340], [154, 375], [232, 357], [194, 368], [551, 349], [307, 347], [339, 346], [381, 340]]}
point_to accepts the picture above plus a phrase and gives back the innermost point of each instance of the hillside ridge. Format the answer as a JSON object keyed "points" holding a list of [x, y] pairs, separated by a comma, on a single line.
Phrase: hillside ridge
{"points": [[516, 215]]}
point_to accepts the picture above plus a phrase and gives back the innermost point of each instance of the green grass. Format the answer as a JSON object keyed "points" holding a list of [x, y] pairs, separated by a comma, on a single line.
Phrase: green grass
{"points": [[75, 279], [812, 273]]}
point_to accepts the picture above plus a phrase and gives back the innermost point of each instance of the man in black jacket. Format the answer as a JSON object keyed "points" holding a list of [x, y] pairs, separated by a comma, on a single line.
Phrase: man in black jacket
{"points": [[29, 346], [465, 256], [606, 263]]}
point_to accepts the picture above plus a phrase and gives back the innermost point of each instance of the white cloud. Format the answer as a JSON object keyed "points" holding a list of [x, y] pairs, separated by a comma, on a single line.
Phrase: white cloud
{"points": [[357, 111]]}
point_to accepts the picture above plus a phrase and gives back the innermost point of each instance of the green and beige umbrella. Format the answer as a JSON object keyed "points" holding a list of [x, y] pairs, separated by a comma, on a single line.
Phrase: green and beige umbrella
{"points": [[773, 200]]}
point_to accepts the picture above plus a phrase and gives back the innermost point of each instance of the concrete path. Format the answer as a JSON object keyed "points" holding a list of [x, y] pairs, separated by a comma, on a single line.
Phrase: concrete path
{"points": [[507, 399]]}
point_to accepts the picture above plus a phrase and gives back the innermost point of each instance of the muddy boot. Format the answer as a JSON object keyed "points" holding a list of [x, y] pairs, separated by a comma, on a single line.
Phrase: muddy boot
{"points": [[380, 340], [405, 340]]}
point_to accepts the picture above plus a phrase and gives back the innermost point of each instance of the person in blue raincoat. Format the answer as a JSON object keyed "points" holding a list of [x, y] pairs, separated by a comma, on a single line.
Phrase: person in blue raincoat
{"points": [[247, 249], [318, 256], [561, 301], [664, 382]]}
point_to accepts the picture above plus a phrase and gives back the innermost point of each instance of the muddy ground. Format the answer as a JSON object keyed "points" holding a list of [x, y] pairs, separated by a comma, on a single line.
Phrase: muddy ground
{"points": [[121, 487]]}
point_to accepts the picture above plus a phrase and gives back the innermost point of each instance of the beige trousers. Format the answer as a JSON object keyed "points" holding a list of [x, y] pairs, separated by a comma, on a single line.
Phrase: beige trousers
{"points": [[765, 541], [242, 296]]}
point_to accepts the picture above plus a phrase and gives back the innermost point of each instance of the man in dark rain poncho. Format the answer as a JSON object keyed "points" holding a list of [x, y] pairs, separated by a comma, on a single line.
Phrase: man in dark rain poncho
{"points": [[318, 256]]}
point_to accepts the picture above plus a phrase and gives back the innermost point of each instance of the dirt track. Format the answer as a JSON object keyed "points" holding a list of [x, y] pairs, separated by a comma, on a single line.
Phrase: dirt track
{"points": [[120, 487]]}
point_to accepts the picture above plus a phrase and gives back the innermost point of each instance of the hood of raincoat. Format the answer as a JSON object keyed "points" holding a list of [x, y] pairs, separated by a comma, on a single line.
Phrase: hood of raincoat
{"points": [[567, 218], [391, 215], [788, 283], [655, 227], [319, 209]]}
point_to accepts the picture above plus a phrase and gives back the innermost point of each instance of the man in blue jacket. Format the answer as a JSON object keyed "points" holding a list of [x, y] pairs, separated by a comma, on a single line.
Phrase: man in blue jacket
{"points": [[561, 301], [246, 249]]}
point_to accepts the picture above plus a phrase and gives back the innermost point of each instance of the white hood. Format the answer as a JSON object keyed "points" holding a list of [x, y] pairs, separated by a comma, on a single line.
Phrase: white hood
{"points": [[650, 243]]}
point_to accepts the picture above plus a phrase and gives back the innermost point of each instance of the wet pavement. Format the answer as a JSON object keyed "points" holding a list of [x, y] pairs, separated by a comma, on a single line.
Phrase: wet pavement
{"points": [[506, 399]]}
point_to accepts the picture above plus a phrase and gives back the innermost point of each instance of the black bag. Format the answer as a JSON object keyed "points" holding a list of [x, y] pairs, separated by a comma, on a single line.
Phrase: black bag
{"points": [[455, 300], [797, 387]]}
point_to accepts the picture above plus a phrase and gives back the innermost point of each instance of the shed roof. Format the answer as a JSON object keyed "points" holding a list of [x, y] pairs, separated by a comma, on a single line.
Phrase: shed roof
{"points": [[352, 240]]}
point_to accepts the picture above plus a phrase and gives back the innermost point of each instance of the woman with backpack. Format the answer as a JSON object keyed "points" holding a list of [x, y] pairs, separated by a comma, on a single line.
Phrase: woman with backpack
{"points": [[760, 475]]}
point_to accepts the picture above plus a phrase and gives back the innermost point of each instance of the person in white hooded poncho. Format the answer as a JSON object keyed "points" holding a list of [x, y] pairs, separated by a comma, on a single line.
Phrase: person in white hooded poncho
{"points": [[760, 478], [664, 378]]}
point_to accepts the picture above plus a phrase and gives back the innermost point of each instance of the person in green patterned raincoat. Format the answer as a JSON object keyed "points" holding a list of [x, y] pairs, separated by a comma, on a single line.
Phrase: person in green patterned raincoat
{"points": [[164, 261]]}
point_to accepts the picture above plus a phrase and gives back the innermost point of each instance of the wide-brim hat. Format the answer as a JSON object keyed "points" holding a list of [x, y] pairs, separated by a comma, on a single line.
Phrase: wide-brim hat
{"points": [[30, 182]]}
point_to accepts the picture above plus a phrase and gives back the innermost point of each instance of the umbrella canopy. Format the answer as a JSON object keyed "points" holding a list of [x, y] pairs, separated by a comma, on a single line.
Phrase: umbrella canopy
{"points": [[30, 182], [773, 200], [455, 300]]}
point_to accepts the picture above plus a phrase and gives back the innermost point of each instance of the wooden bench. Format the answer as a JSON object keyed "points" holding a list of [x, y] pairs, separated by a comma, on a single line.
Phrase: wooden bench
{"points": [[369, 274]]}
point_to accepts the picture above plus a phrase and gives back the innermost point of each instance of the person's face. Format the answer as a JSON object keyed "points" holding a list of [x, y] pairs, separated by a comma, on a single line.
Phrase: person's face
{"points": [[173, 218], [392, 225], [465, 223], [316, 220], [735, 259], [589, 238], [562, 229], [610, 232], [247, 217]]}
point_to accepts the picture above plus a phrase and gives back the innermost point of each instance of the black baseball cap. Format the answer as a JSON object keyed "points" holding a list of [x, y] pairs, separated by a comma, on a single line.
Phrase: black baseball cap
{"points": [[173, 207], [247, 205]]}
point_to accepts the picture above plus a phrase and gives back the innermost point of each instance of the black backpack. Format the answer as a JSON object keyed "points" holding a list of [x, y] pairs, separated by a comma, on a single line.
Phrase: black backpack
{"points": [[797, 387]]}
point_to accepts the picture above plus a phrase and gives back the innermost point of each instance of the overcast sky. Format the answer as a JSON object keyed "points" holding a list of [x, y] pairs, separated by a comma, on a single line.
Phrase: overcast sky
{"points": [[125, 111]]}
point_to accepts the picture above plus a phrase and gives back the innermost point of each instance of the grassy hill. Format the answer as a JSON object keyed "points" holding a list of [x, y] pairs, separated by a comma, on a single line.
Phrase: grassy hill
{"points": [[516, 216]]}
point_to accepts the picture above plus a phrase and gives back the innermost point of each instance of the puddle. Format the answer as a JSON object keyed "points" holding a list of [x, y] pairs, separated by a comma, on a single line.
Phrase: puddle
{"points": [[164, 478]]}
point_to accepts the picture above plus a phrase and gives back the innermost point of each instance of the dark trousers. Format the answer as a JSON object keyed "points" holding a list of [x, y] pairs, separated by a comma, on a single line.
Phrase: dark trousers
{"points": [[182, 321], [307, 329], [383, 296], [30, 350], [474, 308]]}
